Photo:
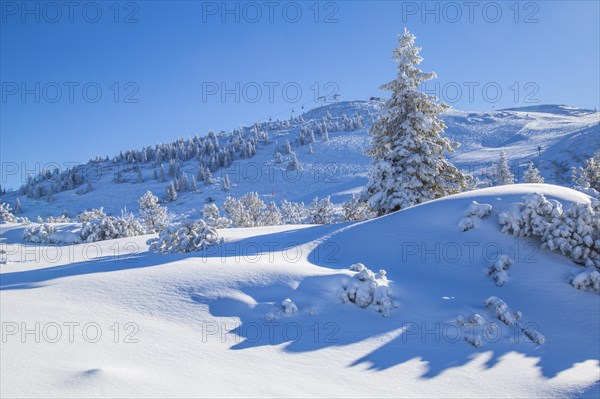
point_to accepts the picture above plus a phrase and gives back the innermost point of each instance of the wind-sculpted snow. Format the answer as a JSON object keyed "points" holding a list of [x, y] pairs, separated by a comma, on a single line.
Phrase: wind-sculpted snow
{"points": [[266, 299]]}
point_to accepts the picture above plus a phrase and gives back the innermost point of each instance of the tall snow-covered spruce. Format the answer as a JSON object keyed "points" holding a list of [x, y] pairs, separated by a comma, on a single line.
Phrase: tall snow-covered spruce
{"points": [[408, 163]]}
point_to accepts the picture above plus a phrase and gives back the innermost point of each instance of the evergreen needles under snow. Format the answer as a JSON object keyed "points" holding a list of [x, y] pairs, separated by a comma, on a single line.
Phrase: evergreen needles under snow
{"points": [[368, 289], [189, 236], [408, 163]]}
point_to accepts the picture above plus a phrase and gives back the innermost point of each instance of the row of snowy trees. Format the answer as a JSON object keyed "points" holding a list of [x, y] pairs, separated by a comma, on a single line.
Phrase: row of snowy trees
{"points": [[575, 232]]}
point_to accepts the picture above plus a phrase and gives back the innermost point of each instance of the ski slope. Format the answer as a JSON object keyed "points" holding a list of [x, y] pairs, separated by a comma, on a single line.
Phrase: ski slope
{"points": [[209, 324]]}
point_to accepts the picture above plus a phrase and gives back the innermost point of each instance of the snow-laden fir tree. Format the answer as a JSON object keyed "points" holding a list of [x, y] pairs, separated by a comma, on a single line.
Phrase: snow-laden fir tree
{"points": [[212, 216], [293, 164], [321, 211], [111, 227], [161, 174], [502, 173], [532, 174], [154, 215], [408, 163], [6, 214], [271, 216], [278, 158], [354, 210], [171, 192], [287, 148], [246, 211], [188, 236], [226, 185], [588, 176], [18, 208], [208, 179], [293, 212]]}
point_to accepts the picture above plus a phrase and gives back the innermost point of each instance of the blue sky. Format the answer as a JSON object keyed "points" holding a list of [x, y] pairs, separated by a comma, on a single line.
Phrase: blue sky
{"points": [[96, 79]]}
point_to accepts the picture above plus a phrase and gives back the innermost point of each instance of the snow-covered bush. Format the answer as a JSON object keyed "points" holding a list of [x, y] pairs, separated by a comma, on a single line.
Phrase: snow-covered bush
{"points": [[588, 177], [321, 211], [355, 210], [6, 215], [474, 210], [212, 217], [479, 210], [466, 223], [503, 312], [245, 211], [288, 307], [534, 335], [271, 216], [111, 227], [40, 234], [86, 216], [251, 211], [58, 219], [532, 217], [293, 212], [473, 320], [189, 236], [576, 233], [368, 289], [588, 280], [154, 215], [497, 270], [357, 267]]}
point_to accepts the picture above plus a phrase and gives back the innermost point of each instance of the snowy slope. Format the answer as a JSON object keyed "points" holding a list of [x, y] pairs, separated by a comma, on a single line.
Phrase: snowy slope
{"points": [[338, 167], [199, 319]]}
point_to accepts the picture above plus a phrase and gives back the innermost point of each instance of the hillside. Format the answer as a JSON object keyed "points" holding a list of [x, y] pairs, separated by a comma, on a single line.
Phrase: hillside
{"points": [[338, 167], [211, 324]]}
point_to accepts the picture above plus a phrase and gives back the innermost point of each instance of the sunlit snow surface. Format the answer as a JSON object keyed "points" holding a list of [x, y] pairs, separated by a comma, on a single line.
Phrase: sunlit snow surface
{"points": [[211, 323]]}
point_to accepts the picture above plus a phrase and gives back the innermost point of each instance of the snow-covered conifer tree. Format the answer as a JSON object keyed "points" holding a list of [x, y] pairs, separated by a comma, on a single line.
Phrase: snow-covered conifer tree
{"points": [[532, 174], [293, 212], [293, 164], [321, 211], [6, 214], [226, 185], [287, 148], [271, 216], [408, 163], [171, 193], [154, 215], [588, 176], [354, 210], [18, 208], [502, 173], [161, 174]]}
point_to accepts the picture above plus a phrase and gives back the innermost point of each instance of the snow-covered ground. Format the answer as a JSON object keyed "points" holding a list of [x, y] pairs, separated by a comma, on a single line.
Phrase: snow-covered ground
{"points": [[565, 136], [112, 319]]}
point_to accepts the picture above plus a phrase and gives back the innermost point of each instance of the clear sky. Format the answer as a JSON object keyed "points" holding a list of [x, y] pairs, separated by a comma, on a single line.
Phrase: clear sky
{"points": [[91, 78]]}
